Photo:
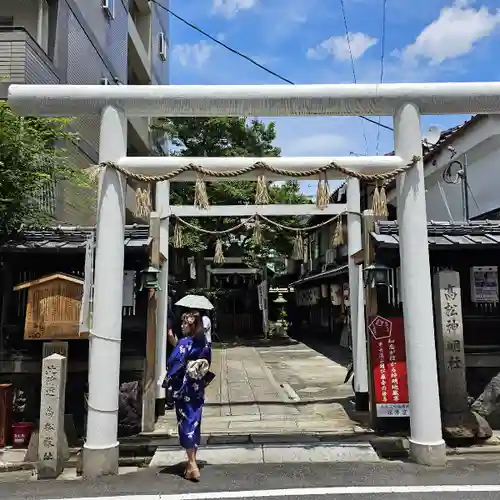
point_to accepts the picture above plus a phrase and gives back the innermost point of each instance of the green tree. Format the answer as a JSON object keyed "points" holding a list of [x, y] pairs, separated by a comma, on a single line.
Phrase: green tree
{"points": [[31, 161], [232, 137]]}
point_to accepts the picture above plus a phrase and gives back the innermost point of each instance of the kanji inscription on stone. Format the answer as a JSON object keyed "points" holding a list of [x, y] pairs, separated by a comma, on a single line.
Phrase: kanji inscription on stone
{"points": [[450, 341], [51, 432]]}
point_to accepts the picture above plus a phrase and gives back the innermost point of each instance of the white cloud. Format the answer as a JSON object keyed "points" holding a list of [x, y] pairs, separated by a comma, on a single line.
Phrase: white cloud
{"points": [[314, 136], [453, 33], [229, 8], [196, 54], [338, 47], [316, 145]]}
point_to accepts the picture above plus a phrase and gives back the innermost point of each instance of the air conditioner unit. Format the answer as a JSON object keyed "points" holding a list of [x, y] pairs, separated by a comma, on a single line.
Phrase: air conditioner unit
{"points": [[109, 7], [162, 46]]}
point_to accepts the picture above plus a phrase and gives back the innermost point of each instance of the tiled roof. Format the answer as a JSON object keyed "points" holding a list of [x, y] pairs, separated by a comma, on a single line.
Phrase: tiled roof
{"points": [[70, 238], [325, 274], [444, 234]]}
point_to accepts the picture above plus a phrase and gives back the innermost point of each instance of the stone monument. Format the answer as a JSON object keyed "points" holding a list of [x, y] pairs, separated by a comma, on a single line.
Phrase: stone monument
{"points": [[459, 422], [51, 437]]}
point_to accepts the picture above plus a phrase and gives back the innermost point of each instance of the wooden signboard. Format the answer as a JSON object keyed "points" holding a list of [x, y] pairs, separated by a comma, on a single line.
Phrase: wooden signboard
{"points": [[53, 308]]}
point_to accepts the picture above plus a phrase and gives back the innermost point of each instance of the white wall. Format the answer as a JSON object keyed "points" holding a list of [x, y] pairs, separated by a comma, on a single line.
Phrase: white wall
{"points": [[481, 144], [484, 182]]}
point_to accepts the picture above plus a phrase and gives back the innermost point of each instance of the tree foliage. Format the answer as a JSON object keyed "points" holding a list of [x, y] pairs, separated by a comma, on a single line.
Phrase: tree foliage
{"points": [[31, 163], [213, 137]]}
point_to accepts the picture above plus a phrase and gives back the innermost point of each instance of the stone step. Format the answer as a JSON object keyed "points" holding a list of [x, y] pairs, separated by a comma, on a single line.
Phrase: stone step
{"points": [[269, 454], [157, 439]]}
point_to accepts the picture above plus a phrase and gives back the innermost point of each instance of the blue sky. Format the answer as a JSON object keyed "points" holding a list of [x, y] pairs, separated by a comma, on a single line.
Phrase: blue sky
{"points": [[305, 41]]}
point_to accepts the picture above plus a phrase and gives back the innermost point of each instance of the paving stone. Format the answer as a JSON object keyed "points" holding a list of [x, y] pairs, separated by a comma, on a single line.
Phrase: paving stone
{"points": [[209, 426], [279, 410], [278, 418], [323, 426], [264, 426], [358, 452], [233, 418], [247, 396], [212, 412], [220, 455], [243, 410]]}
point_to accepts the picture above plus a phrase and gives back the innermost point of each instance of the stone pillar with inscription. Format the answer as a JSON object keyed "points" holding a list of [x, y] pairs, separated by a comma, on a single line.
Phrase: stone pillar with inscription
{"points": [[51, 442], [458, 420]]}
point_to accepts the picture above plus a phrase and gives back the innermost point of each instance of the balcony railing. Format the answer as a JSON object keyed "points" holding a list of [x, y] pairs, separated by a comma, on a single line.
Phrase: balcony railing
{"points": [[22, 60]]}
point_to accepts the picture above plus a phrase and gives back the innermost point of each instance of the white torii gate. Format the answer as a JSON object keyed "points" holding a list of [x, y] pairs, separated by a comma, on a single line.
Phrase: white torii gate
{"points": [[405, 102]]}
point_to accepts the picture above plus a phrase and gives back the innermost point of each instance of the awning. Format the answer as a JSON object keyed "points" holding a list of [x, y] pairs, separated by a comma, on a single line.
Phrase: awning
{"points": [[324, 275]]}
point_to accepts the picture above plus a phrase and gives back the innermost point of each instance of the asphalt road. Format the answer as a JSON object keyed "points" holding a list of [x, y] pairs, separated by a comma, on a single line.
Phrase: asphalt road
{"points": [[342, 481]]}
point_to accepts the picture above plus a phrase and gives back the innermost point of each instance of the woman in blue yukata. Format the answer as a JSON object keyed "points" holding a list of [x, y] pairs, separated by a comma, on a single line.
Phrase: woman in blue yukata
{"points": [[187, 376]]}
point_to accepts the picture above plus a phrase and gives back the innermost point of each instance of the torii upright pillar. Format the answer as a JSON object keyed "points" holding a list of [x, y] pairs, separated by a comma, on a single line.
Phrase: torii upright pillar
{"points": [[426, 442], [163, 208], [100, 451], [356, 296]]}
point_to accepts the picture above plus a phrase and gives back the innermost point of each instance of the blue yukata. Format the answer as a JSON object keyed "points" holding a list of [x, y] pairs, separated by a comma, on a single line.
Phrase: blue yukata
{"points": [[188, 394]]}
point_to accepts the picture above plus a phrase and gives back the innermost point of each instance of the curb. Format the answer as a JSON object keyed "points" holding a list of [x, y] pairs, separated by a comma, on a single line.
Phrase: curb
{"points": [[139, 454], [486, 449], [136, 461]]}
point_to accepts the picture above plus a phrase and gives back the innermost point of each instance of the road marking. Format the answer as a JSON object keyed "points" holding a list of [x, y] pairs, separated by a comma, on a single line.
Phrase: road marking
{"points": [[305, 492]]}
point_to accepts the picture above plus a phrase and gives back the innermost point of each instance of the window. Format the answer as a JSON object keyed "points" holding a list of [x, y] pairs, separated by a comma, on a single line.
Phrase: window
{"points": [[162, 46], [109, 7], [6, 22], [42, 33]]}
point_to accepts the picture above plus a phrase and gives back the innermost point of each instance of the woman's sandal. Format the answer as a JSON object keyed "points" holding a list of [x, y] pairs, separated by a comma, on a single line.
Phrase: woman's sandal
{"points": [[192, 475]]}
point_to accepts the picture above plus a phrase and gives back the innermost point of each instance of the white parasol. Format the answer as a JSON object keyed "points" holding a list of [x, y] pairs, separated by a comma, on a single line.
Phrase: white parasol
{"points": [[195, 302]]}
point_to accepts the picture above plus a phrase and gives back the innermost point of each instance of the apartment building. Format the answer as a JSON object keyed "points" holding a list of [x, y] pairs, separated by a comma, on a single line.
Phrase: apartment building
{"points": [[92, 42]]}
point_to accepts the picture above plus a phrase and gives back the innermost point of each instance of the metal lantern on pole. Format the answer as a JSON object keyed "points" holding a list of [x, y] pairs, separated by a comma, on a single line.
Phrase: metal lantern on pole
{"points": [[150, 278], [377, 275], [280, 300]]}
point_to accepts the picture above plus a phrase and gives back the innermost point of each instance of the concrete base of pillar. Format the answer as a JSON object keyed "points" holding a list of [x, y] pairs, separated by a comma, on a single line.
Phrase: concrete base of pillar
{"points": [[361, 401], [432, 455], [100, 462], [160, 405]]}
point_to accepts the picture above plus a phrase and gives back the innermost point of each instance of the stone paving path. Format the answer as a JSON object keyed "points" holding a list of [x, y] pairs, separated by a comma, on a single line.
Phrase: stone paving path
{"points": [[277, 390]]}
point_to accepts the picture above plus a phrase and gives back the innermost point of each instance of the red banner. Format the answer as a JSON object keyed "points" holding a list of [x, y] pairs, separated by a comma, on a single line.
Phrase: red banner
{"points": [[388, 359]]}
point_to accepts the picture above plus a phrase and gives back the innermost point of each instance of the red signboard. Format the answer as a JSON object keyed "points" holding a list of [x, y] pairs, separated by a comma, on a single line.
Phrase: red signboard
{"points": [[388, 359]]}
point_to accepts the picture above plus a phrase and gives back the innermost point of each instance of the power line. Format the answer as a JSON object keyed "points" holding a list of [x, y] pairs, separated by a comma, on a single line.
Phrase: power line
{"points": [[382, 60], [244, 56], [348, 38]]}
